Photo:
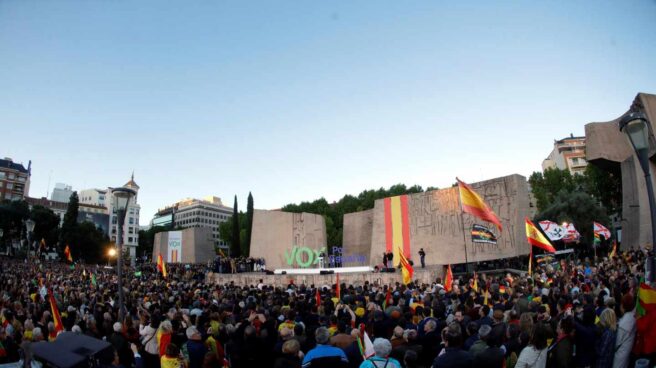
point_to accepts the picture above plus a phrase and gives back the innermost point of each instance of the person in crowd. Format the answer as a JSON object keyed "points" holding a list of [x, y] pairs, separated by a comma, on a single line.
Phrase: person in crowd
{"points": [[324, 355], [381, 359], [561, 352], [290, 357], [605, 347], [626, 331], [194, 349], [535, 354], [453, 356]]}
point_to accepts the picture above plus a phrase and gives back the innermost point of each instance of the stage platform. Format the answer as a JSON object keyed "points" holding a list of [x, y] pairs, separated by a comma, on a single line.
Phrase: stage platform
{"points": [[313, 277]]}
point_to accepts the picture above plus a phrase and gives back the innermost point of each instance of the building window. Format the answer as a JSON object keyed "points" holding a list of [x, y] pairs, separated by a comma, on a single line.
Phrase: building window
{"points": [[130, 230], [131, 220], [10, 186], [113, 220], [130, 239]]}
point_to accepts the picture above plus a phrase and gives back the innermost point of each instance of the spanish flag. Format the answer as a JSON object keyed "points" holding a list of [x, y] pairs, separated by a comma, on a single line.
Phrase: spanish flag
{"points": [[67, 254], [59, 326], [448, 279], [645, 340], [474, 205], [317, 296], [613, 253], [388, 298], [406, 269], [536, 238], [161, 266], [397, 226]]}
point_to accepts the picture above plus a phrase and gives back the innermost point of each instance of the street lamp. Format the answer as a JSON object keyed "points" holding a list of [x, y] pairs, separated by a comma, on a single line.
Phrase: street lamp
{"points": [[121, 200], [111, 253], [636, 126], [29, 226]]}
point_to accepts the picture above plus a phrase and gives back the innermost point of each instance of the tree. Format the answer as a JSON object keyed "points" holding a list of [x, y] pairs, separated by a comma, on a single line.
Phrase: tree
{"points": [[46, 225], [147, 239], [12, 215], [91, 242], [605, 186], [69, 226], [246, 250], [578, 208], [545, 186], [235, 243]]}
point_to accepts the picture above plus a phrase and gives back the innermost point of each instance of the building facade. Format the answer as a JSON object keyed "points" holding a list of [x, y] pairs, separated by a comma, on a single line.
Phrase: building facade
{"points": [[208, 212], [14, 180], [61, 193], [96, 197], [568, 154]]}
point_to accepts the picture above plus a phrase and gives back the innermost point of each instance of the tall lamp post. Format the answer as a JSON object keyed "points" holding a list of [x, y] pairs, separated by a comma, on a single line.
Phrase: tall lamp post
{"points": [[29, 226], [1, 242], [636, 126], [121, 200]]}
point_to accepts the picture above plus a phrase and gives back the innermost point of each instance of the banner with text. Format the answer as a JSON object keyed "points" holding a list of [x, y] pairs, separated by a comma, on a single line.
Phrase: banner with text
{"points": [[175, 247]]}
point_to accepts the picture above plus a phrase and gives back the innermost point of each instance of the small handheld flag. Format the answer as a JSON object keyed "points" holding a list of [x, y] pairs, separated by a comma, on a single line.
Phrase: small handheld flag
{"points": [[161, 266], [59, 326], [67, 254], [338, 288], [448, 279], [406, 268], [317, 297]]}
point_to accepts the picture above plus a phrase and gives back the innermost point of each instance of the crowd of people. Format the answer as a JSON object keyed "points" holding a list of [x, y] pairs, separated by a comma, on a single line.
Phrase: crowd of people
{"points": [[223, 264], [575, 313]]}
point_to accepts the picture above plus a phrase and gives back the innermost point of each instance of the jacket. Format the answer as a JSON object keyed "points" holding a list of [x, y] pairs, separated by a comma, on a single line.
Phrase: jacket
{"points": [[148, 338], [561, 353], [626, 331], [605, 349], [454, 358], [531, 357]]}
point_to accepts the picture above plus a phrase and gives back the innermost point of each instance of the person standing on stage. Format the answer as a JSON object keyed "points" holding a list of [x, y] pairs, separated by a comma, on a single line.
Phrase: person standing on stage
{"points": [[422, 257]]}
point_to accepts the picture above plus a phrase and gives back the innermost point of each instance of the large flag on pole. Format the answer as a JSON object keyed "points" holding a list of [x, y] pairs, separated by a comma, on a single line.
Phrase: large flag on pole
{"points": [[59, 326], [473, 204], [600, 229], [536, 238], [448, 279], [406, 269], [161, 266]]}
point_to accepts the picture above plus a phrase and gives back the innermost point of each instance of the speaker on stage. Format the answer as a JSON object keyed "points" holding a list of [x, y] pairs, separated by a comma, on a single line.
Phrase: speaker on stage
{"points": [[71, 350], [283, 273], [388, 269], [326, 272], [269, 272]]}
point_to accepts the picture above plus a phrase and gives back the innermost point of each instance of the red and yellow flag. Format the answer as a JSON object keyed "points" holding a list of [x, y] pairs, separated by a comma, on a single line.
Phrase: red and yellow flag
{"points": [[475, 283], [406, 269], [317, 297], [161, 266], [613, 253], [645, 340], [397, 225], [388, 298], [67, 254], [536, 238], [530, 263], [59, 326], [473, 204], [448, 279]]}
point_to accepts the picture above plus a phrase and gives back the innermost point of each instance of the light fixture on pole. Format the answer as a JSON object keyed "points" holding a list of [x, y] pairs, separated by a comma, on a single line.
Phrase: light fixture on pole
{"points": [[636, 127], [29, 226], [122, 198]]}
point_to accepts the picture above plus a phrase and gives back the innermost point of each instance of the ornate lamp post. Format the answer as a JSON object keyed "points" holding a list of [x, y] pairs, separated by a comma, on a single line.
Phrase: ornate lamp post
{"points": [[29, 226], [122, 198], [635, 126]]}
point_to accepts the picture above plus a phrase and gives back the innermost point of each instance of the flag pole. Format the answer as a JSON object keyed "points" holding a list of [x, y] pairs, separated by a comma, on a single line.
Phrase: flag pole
{"points": [[464, 238]]}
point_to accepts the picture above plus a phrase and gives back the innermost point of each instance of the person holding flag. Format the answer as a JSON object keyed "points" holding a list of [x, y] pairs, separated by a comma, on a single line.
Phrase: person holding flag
{"points": [[406, 268]]}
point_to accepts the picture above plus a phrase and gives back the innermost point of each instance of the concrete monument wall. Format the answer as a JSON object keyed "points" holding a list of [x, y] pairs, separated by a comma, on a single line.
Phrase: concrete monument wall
{"points": [[611, 150], [197, 245], [434, 222], [288, 240], [357, 232]]}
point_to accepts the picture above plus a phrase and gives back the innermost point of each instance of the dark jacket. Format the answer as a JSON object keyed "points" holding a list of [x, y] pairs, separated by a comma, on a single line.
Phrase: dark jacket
{"points": [[287, 361], [585, 341], [492, 357], [605, 349], [197, 351], [561, 354], [430, 346], [122, 347], [454, 358]]}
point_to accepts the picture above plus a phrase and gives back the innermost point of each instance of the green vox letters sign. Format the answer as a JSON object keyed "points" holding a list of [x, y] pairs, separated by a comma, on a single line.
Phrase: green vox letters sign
{"points": [[303, 256]]}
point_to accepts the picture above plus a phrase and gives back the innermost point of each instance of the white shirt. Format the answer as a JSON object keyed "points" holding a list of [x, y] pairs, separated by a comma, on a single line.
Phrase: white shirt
{"points": [[626, 331], [530, 357]]}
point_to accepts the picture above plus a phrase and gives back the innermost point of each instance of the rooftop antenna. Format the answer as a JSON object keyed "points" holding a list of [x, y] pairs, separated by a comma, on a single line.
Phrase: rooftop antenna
{"points": [[48, 189]]}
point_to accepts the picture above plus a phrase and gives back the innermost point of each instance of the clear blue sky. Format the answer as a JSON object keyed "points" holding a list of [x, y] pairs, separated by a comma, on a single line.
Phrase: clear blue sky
{"points": [[294, 100]]}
